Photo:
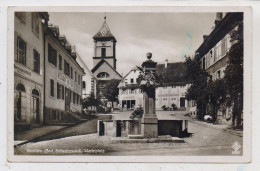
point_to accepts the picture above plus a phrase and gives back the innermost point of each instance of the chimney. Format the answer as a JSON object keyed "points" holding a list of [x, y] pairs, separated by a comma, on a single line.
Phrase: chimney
{"points": [[166, 63], [218, 18]]}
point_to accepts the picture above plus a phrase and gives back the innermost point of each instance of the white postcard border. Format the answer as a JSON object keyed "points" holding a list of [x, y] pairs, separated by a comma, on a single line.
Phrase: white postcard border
{"points": [[247, 138]]}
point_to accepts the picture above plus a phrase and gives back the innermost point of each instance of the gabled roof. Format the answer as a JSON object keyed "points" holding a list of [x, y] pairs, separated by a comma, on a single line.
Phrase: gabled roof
{"points": [[83, 63], [100, 63], [173, 73], [104, 31], [223, 28], [135, 68]]}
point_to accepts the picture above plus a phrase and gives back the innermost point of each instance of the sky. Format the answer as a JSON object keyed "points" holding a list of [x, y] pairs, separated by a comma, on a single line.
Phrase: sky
{"points": [[166, 35]]}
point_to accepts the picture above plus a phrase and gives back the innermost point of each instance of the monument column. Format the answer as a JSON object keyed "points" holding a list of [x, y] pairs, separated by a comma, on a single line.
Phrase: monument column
{"points": [[149, 122]]}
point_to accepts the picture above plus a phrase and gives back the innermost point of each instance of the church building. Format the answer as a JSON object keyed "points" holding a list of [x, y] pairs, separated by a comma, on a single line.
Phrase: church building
{"points": [[104, 60]]}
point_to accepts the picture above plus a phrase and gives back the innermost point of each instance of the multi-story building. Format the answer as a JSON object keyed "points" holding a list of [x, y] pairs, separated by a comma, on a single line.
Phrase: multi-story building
{"points": [[173, 88], [89, 81], [130, 95], [29, 67], [172, 91], [63, 77], [215, 47]]}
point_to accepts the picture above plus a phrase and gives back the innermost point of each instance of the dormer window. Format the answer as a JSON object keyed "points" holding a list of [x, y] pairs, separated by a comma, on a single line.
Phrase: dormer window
{"points": [[211, 54]]}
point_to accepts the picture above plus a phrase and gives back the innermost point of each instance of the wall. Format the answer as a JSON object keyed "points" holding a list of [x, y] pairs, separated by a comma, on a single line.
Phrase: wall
{"points": [[127, 95], [106, 68], [170, 127], [108, 45], [133, 74], [24, 74], [27, 108], [54, 73], [170, 94], [87, 78], [216, 58]]}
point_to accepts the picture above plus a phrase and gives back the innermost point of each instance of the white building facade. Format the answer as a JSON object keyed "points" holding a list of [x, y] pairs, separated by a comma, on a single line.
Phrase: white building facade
{"points": [[29, 67], [131, 96], [89, 81], [168, 95], [63, 78]]}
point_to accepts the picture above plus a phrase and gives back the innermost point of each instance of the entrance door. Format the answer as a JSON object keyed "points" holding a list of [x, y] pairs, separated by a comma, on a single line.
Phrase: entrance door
{"points": [[123, 104], [133, 104], [36, 106], [182, 102], [118, 129], [19, 106], [20, 89], [67, 99], [36, 110]]}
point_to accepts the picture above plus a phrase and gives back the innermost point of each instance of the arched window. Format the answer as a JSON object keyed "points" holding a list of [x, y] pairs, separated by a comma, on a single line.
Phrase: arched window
{"points": [[35, 92], [20, 87], [103, 75]]}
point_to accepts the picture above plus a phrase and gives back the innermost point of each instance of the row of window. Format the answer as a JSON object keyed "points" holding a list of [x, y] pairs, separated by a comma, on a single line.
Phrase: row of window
{"points": [[132, 91], [75, 98], [21, 55], [68, 70], [164, 99], [217, 75], [217, 52], [165, 87], [35, 21], [131, 81]]}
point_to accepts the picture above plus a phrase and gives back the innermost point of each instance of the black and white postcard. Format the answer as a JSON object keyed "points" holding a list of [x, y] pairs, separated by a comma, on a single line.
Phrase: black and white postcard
{"points": [[129, 84]]}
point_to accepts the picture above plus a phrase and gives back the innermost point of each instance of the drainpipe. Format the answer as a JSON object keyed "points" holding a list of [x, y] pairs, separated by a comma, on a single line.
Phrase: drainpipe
{"points": [[44, 79]]}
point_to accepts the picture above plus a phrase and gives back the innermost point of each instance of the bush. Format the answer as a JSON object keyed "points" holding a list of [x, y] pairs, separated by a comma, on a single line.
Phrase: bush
{"points": [[137, 113], [174, 107], [100, 109], [91, 112], [164, 107]]}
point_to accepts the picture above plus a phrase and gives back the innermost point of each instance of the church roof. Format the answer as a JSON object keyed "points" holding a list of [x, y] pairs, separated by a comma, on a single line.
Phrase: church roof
{"points": [[100, 63], [104, 31]]}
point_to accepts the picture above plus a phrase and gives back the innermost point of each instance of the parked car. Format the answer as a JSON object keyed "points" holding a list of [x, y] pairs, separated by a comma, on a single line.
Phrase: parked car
{"points": [[208, 118]]}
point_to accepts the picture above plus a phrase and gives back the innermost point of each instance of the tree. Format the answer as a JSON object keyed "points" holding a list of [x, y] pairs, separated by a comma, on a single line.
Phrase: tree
{"points": [[217, 96], [110, 90], [196, 77], [234, 74], [91, 101]]}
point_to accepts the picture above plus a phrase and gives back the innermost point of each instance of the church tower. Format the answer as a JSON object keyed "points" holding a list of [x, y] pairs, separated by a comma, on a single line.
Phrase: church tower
{"points": [[105, 46], [104, 60]]}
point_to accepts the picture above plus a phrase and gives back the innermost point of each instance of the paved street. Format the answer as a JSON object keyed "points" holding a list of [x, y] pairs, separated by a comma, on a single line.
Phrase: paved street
{"points": [[205, 140], [88, 127]]}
